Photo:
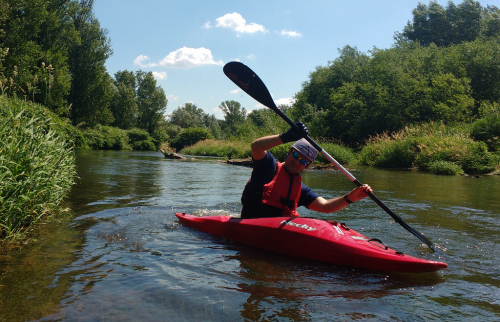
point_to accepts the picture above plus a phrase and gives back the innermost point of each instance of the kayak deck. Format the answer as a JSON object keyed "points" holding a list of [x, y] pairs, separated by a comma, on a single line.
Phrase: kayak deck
{"points": [[313, 239]]}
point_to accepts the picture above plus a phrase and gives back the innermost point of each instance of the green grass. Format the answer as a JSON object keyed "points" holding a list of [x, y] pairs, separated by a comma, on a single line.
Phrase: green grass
{"points": [[37, 167], [423, 145], [241, 149], [445, 167], [219, 148]]}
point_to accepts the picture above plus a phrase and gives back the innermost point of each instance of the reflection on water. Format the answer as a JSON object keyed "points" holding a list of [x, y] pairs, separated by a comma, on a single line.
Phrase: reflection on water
{"points": [[125, 257]]}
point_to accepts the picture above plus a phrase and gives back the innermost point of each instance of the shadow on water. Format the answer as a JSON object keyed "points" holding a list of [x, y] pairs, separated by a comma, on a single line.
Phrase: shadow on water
{"points": [[124, 256]]}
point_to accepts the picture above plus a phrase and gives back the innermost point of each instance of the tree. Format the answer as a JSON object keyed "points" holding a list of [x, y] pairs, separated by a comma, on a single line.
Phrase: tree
{"points": [[91, 89], [190, 136], [37, 34], [234, 114], [151, 102], [126, 77], [189, 115], [124, 107], [138, 102], [453, 25], [315, 93], [124, 102]]}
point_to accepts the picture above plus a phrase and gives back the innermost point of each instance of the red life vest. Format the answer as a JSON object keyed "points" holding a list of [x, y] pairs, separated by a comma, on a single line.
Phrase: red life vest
{"points": [[283, 191]]}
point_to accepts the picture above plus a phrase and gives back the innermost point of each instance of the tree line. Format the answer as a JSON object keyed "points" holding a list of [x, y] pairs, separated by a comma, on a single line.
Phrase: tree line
{"points": [[444, 67], [53, 52]]}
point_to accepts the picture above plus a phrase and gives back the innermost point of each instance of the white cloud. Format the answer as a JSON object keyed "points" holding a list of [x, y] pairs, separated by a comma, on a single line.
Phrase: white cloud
{"points": [[207, 25], [236, 22], [160, 75], [140, 59], [218, 113], [251, 56], [172, 98], [284, 101], [186, 58], [290, 33], [235, 91]]}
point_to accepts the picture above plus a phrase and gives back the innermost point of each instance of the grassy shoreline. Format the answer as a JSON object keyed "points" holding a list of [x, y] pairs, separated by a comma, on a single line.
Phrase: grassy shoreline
{"points": [[429, 147]]}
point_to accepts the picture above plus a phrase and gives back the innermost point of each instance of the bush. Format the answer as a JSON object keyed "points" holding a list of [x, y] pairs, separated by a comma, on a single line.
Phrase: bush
{"points": [[445, 167], [106, 138], [487, 129], [423, 145], [94, 138], [115, 138], [280, 152], [479, 160], [145, 145], [37, 167], [141, 140], [136, 134], [390, 153], [159, 137], [472, 156], [189, 137], [72, 134]]}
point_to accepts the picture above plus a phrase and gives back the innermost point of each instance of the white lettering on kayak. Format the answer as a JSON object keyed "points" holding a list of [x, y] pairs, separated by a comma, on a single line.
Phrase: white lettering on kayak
{"points": [[304, 226], [338, 230]]}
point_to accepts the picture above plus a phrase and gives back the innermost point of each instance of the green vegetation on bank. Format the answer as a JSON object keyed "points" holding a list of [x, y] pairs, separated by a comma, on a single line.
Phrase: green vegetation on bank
{"points": [[37, 166], [430, 147]]}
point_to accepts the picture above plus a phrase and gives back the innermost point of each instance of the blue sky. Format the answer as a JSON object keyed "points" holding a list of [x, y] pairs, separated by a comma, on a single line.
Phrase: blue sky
{"points": [[185, 43]]}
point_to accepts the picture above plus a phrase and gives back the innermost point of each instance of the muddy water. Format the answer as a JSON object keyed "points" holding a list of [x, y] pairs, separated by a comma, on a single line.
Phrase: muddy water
{"points": [[123, 256]]}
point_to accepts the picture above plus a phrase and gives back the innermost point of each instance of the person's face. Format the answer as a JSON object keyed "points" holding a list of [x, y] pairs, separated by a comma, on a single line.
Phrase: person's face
{"points": [[294, 162]]}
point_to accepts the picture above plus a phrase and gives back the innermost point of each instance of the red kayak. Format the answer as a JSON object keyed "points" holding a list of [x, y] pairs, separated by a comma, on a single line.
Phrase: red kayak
{"points": [[313, 239]]}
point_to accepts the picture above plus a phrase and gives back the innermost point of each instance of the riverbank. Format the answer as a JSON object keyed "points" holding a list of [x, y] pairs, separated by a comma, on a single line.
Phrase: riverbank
{"points": [[431, 147]]}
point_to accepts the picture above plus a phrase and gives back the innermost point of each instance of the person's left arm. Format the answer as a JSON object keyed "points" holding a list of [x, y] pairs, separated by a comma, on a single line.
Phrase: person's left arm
{"points": [[321, 204]]}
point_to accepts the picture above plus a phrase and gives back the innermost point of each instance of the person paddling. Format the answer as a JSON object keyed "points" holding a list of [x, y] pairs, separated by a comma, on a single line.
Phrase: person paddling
{"points": [[275, 189]]}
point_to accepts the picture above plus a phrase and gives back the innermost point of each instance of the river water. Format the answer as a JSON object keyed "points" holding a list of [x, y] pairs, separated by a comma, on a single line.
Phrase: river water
{"points": [[123, 256]]}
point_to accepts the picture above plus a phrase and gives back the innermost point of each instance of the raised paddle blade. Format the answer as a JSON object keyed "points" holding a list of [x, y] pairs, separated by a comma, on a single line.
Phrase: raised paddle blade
{"points": [[248, 81]]}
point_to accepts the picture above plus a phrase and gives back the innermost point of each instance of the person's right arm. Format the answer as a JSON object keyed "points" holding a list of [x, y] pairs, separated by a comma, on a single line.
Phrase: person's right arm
{"points": [[261, 145]]}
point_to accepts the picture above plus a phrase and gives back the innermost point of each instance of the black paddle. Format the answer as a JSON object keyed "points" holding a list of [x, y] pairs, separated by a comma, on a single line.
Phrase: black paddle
{"points": [[248, 81]]}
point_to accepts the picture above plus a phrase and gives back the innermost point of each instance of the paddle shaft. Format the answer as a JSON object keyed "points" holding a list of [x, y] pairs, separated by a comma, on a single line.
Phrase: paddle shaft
{"points": [[356, 181], [249, 82]]}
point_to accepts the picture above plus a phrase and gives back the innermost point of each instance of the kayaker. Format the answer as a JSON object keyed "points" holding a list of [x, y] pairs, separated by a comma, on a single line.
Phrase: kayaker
{"points": [[275, 189]]}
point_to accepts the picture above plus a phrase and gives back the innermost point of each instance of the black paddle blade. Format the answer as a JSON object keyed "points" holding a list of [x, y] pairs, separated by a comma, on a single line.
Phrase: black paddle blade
{"points": [[248, 81]]}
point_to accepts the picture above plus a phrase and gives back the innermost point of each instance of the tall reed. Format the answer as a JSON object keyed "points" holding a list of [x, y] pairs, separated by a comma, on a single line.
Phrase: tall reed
{"points": [[37, 167]]}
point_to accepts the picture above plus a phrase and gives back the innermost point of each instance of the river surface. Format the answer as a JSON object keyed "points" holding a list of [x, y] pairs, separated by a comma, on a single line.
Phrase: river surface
{"points": [[123, 256]]}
